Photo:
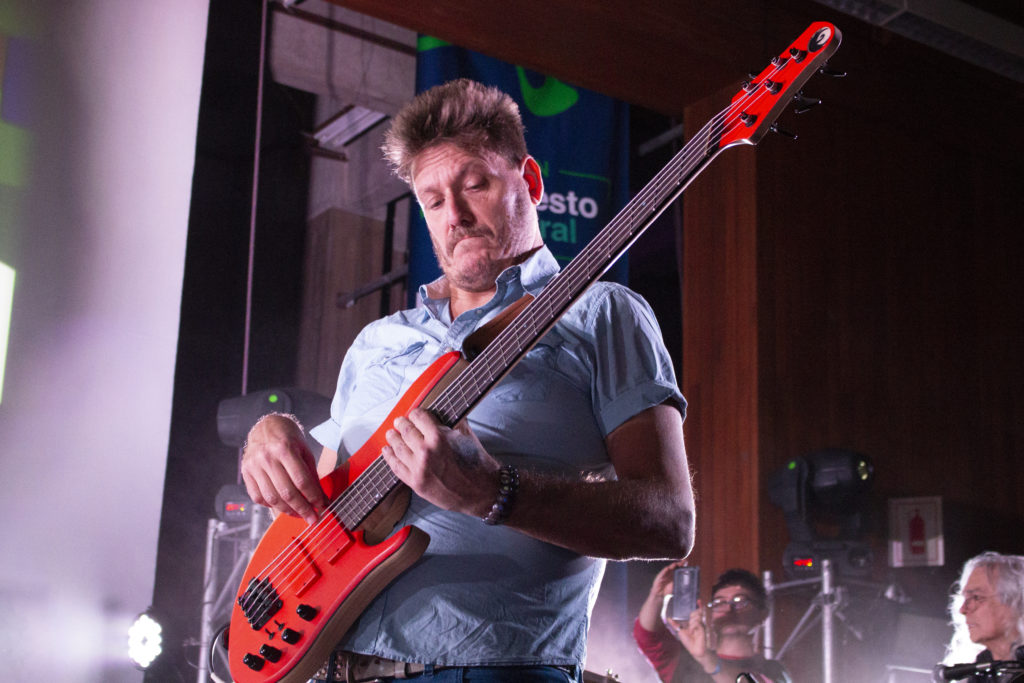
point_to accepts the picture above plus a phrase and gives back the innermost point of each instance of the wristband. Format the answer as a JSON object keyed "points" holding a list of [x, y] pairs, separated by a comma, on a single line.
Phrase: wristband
{"points": [[718, 667], [508, 486]]}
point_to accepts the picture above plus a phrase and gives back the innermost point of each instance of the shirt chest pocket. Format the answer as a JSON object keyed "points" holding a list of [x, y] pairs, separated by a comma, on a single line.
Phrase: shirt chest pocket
{"points": [[548, 368], [384, 379]]}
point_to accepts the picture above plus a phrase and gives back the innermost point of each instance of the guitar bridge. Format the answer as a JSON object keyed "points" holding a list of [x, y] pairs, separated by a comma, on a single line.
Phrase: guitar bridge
{"points": [[259, 603]]}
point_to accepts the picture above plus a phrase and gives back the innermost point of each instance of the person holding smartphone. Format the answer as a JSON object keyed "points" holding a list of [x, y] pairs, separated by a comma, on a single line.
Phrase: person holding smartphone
{"points": [[713, 644]]}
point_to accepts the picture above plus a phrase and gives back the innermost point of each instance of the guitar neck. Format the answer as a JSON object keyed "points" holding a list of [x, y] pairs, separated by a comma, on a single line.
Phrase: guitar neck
{"points": [[534, 321]]}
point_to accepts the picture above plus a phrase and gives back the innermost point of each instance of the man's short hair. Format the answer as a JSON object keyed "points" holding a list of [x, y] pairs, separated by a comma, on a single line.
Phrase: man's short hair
{"points": [[469, 114], [746, 579]]}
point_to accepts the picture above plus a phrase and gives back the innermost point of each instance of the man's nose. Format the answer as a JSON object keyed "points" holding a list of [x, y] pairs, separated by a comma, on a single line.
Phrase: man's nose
{"points": [[459, 213]]}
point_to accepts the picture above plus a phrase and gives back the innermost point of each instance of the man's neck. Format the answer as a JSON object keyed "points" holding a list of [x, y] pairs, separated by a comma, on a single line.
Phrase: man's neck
{"points": [[461, 300], [1001, 649], [736, 646]]}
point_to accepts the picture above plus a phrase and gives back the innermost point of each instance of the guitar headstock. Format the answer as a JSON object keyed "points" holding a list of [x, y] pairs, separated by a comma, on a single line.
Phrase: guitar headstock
{"points": [[762, 99]]}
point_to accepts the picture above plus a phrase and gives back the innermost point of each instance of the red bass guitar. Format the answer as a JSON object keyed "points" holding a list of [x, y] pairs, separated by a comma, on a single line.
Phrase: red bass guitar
{"points": [[306, 584]]}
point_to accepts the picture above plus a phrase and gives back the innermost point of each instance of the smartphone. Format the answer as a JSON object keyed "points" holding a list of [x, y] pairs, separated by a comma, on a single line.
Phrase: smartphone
{"points": [[685, 583]]}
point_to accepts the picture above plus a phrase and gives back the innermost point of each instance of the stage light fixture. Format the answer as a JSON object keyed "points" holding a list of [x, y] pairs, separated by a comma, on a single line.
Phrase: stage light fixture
{"points": [[237, 415], [233, 504], [823, 497], [145, 640]]}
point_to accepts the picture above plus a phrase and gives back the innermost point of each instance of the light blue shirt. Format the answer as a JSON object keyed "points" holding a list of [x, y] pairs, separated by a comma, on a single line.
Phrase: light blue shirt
{"points": [[489, 595]]}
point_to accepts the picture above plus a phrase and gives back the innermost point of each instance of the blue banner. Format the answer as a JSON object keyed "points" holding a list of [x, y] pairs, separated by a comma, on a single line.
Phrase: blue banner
{"points": [[580, 139]]}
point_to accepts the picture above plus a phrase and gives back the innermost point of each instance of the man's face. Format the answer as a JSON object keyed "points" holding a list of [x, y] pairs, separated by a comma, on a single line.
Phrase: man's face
{"points": [[734, 610], [988, 619], [479, 210]]}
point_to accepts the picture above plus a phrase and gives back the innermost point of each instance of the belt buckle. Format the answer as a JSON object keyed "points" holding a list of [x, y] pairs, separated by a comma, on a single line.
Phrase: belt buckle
{"points": [[356, 667]]}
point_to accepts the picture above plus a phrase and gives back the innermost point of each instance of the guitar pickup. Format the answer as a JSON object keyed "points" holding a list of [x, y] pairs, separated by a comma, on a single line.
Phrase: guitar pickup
{"points": [[259, 602]]}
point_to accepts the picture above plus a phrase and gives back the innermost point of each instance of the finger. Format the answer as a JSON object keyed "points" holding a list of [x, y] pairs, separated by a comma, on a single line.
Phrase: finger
{"points": [[309, 498], [681, 629], [254, 473], [422, 418], [281, 493], [253, 488], [426, 424], [262, 491], [284, 479], [400, 449], [664, 579], [398, 467], [409, 430]]}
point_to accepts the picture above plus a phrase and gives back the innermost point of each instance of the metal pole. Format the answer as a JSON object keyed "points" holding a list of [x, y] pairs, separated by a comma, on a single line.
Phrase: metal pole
{"points": [[259, 520], [213, 530], [769, 623], [827, 613]]}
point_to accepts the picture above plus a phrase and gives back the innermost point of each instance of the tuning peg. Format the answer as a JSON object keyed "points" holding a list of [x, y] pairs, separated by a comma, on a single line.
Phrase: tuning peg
{"points": [[804, 103], [782, 131], [825, 71]]}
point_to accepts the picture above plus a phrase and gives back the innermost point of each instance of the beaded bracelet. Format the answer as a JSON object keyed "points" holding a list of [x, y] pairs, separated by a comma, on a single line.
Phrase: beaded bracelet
{"points": [[508, 486]]}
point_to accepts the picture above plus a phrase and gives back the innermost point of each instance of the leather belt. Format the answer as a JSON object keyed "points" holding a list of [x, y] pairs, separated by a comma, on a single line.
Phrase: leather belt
{"points": [[353, 667]]}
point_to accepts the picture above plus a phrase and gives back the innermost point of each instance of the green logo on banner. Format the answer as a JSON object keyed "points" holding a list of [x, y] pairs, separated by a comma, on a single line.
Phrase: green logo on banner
{"points": [[550, 99], [424, 43]]}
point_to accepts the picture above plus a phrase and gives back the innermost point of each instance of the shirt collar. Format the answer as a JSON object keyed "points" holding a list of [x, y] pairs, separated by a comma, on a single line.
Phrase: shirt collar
{"points": [[532, 274]]}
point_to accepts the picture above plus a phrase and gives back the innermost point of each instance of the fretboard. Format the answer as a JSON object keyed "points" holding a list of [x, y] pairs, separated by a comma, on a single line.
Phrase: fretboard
{"points": [[509, 346]]}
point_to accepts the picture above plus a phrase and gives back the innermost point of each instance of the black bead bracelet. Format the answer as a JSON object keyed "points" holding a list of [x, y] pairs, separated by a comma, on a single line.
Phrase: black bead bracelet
{"points": [[508, 486]]}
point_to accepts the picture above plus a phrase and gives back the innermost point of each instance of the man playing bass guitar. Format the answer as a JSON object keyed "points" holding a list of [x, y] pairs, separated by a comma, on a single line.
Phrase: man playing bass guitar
{"points": [[575, 456]]}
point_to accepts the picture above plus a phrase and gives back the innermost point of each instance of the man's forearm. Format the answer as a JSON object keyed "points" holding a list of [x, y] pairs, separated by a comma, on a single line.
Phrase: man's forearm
{"points": [[649, 616], [619, 520]]}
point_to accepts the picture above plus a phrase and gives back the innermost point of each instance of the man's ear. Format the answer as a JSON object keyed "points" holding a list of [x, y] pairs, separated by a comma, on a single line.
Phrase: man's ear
{"points": [[534, 181]]}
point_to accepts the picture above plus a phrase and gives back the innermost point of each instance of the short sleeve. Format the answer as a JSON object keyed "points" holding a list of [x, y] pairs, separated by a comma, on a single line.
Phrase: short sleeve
{"points": [[632, 370]]}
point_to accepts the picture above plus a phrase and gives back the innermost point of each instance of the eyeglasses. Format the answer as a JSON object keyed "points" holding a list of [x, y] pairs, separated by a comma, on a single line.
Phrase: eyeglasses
{"points": [[736, 602], [974, 600]]}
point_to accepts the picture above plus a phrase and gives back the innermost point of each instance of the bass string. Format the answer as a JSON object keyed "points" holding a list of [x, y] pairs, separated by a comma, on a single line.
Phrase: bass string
{"points": [[319, 539]]}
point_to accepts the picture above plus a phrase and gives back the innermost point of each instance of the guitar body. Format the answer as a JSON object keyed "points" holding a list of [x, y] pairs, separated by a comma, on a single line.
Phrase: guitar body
{"points": [[305, 585]]}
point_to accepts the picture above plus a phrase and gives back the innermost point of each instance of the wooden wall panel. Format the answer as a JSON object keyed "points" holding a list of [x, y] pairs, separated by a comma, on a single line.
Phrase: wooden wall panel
{"points": [[344, 251], [719, 375]]}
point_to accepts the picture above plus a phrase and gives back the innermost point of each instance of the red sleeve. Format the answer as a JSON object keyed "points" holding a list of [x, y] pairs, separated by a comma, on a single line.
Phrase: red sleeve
{"points": [[660, 649]]}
